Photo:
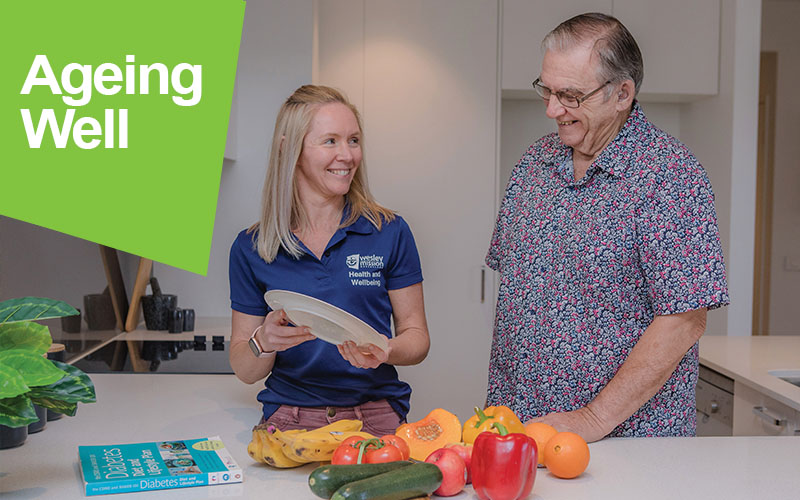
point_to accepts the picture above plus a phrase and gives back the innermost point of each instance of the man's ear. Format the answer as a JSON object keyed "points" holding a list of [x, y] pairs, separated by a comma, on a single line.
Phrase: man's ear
{"points": [[625, 95]]}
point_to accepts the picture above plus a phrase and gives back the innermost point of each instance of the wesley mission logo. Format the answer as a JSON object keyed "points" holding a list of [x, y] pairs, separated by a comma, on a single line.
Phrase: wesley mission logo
{"points": [[366, 269]]}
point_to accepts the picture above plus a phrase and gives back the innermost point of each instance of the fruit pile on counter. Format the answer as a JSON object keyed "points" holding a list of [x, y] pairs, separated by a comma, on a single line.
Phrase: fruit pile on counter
{"points": [[493, 450]]}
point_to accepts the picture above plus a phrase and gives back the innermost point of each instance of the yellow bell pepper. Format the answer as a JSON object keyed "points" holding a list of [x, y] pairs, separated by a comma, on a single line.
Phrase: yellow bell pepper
{"points": [[483, 420]]}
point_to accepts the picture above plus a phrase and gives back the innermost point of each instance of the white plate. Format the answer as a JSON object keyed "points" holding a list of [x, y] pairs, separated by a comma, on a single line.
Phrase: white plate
{"points": [[326, 321]]}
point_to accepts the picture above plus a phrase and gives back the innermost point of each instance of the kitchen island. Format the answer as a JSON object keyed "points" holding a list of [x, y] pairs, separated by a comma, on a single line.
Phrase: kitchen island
{"points": [[749, 361], [153, 407]]}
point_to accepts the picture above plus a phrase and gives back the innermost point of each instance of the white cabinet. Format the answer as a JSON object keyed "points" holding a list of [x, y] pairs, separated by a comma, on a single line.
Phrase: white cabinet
{"points": [[756, 414], [679, 41], [525, 24], [424, 75]]}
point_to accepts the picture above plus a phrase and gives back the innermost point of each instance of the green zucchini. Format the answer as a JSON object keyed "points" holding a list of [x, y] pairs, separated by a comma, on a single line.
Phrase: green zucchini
{"points": [[415, 480], [326, 479]]}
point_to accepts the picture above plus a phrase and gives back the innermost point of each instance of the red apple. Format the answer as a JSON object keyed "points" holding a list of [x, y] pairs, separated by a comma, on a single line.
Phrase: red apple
{"points": [[454, 471], [465, 451]]}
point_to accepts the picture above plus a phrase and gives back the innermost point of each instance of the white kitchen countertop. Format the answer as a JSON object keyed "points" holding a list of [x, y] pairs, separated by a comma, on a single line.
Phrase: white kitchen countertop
{"points": [[749, 359], [153, 407]]}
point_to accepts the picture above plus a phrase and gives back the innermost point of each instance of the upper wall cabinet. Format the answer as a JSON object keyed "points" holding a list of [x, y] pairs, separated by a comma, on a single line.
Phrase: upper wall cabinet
{"points": [[525, 23], [679, 41]]}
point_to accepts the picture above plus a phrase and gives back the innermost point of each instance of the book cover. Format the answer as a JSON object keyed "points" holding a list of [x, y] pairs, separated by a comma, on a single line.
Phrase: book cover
{"points": [[123, 468]]}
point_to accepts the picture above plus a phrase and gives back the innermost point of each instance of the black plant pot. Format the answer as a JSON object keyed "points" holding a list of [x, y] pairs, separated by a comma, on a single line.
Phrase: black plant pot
{"points": [[35, 427], [53, 415], [11, 437]]}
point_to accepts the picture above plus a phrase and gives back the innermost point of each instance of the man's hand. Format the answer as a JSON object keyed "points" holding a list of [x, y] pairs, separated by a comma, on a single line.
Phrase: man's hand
{"points": [[581, 421]]}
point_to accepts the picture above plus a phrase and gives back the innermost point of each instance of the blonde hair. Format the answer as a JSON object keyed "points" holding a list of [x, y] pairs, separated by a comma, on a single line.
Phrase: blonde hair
{"points": [[281, 210]]}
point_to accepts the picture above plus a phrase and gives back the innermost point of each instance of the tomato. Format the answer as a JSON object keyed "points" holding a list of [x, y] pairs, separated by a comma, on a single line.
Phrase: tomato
{"points": [[376, 451], [399, 443], [386, 453], [345, 454], [352, 441]]}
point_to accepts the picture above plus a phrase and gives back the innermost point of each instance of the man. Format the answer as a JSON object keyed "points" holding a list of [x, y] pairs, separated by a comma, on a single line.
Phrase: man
{"points": [[608, 252]]}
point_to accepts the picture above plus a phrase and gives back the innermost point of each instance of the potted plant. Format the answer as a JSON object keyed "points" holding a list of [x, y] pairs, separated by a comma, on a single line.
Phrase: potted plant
{"points": [[26, 375]]}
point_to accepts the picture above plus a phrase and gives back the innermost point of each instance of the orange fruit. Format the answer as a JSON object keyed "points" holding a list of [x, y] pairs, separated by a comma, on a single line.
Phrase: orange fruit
{"points": [[541, 433], [566, 455]]}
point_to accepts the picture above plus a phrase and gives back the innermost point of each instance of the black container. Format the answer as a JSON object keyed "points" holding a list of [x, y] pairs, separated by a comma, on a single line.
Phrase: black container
{"points": [[156, 307], [11, 437], [71, 324], [176, 320], [188, 320], [39, 426], [55, 352], [99, 311]]}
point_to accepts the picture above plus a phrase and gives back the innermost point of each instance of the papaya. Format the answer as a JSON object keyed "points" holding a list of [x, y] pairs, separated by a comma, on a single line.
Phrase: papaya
{"points": [[438, 429]]}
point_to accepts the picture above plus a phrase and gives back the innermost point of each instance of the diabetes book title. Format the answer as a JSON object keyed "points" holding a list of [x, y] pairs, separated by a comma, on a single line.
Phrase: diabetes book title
{"points": [[77, 86]]}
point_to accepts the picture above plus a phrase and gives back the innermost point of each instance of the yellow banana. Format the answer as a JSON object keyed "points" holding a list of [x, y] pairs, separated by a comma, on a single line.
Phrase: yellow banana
{"points": [[318, 444], [319, 447], [284, 441], [254, 448], [264, 448], [287, 438]]}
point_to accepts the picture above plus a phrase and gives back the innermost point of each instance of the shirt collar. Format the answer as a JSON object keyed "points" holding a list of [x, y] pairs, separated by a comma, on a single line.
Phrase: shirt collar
{"points": [[360, 226], [616, 156]]}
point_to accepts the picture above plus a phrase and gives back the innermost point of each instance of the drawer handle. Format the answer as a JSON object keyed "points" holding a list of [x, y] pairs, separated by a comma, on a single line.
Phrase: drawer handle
{"points": [[764, 414]]}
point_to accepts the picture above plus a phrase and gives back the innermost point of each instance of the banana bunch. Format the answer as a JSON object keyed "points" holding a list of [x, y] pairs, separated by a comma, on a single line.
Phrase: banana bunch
{"points": [[265, 448], [286, 449], [318, 445]]}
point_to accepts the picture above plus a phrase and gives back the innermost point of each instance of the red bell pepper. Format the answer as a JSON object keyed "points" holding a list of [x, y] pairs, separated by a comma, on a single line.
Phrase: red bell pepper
{"points": [[503, 465]]}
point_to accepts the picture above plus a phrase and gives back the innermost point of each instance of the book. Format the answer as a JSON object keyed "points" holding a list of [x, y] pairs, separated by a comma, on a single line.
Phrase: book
{"points": [[123, 468]]}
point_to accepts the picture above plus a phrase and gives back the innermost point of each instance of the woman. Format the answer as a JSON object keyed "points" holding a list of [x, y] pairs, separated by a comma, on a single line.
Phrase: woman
{"points": [[318, 224]]}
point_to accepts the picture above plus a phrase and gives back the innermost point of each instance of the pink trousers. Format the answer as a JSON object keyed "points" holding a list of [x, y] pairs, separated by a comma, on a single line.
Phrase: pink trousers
{"points": [[379, 417]]}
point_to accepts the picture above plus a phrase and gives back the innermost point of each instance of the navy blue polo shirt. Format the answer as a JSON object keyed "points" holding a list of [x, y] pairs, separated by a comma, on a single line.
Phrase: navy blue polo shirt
{"points": [[360, 264]]}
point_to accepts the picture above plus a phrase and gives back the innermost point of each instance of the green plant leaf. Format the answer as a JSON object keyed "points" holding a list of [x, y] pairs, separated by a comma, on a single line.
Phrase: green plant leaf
{"points": [[64, 407], [75, 387], [33, 308], [17, 411], [25, 335], [35, 369], [11, 382]]}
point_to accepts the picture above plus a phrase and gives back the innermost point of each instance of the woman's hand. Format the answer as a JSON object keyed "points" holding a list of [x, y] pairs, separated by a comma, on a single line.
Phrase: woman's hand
{"points": [[366, 356], [276, 335]]}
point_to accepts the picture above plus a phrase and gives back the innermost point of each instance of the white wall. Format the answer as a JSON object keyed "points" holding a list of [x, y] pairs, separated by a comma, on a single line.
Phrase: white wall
{"points": [[780, 34], [722, 132], [274, 59]]}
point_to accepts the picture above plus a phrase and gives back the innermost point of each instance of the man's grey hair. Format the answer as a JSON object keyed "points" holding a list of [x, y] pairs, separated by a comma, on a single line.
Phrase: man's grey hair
{"points": [[617, 51]]}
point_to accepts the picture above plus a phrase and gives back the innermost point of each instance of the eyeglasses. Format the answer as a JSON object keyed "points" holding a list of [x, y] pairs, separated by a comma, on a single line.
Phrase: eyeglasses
{"points": [[568, 100]]}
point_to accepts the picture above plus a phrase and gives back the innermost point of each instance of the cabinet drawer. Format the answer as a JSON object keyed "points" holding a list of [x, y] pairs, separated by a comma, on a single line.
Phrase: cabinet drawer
{"points": [[756, 414]]}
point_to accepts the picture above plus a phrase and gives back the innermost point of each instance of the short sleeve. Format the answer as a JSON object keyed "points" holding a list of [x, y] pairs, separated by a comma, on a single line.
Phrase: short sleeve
{"points": [[247, 293], [498, 246], [680, 250], [404, 268]]}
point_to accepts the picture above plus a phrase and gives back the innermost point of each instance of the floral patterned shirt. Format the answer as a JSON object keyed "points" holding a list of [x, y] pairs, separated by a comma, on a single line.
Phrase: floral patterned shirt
{"points": [[585, 266]]}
